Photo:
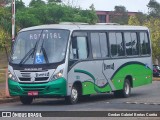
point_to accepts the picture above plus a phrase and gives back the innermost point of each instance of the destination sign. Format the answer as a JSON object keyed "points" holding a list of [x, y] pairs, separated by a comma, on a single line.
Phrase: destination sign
{"points": [[47, 35]]}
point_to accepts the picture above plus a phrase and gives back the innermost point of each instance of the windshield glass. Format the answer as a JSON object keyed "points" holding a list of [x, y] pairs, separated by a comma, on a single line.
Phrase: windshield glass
{"points": [[40, 47]]}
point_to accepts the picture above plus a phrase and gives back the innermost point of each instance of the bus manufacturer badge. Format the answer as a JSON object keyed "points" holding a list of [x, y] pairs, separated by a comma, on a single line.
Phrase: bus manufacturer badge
{"points": [[32, 79]]}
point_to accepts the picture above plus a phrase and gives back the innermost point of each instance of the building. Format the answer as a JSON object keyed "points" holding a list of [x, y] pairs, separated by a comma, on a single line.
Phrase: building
{"points": [[2, 3], [104, 16]]}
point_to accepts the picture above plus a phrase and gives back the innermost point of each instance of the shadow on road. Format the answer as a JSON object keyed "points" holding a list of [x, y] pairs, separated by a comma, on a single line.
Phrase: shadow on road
{"points": [[83, 100]]}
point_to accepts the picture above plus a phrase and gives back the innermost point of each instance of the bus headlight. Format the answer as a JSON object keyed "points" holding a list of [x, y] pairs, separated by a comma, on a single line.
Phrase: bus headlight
{"points": [[11, 76], [57, 75]]}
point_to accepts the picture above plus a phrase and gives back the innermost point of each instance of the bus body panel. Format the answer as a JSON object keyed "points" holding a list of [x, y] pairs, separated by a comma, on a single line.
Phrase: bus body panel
{"points": [[94, 75], [89, 73], [53, 88]]}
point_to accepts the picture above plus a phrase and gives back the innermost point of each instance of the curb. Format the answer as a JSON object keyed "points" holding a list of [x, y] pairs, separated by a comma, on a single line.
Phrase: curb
{"points": [[156, 79], [9, 99]]}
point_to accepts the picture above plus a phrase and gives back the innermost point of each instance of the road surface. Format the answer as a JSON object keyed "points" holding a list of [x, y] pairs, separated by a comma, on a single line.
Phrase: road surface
{"points": [[144, 98]]}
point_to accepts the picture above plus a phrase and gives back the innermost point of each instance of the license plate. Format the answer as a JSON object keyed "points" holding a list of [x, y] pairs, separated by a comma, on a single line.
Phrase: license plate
{"points": [[32, 93]]}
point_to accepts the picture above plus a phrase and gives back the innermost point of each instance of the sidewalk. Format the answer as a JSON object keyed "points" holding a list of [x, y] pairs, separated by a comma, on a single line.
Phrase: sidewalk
{"points": [[156, 79]]}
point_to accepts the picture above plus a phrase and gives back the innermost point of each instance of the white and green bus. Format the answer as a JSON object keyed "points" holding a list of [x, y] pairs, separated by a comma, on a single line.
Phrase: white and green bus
{"points": [[76, 60]]}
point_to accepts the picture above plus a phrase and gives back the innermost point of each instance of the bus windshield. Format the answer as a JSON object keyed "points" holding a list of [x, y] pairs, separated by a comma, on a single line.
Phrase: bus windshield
{"points": [[40, 47]]}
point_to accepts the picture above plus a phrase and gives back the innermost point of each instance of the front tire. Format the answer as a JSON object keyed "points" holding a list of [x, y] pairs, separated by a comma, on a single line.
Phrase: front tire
{"points": [[125, 92], [74, 97], [26, 100]]}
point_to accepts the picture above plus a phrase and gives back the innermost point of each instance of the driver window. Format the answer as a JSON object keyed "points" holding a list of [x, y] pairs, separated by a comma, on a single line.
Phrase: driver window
{"points": [[78, 48]]}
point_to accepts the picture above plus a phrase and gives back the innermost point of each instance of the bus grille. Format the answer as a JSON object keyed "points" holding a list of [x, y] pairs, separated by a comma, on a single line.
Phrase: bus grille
{"points": [[33, 88], [39, 79], [28, 77]]}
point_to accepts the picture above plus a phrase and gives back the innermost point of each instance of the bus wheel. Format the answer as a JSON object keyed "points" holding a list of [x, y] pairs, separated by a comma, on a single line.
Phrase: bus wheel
{"points": [[125, 92], [73, 98], [26, 100]]}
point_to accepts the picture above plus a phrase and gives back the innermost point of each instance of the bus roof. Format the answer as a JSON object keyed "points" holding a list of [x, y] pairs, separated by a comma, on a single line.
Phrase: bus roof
{"points": [[86, 27]]}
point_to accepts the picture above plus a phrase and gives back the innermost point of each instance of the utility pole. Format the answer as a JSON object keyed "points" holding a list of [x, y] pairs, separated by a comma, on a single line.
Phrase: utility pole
{"points": [[13, 20]]}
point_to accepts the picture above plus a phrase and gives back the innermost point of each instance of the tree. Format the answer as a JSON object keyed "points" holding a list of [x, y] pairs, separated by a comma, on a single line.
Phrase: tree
{"points": [[36, 3], [138, 19], [5, 19], [4, 37], [25, 19], [133, 20], [119, 15], [92, 13], [154, 8], [153, 24], [120, 9], [54, 1], [142, 18], [19, 4]]}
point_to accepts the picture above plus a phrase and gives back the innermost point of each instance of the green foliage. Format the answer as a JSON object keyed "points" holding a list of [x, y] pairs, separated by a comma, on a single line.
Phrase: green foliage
{"points": [[25, 19], [154, 24], [154, 8], [5, 27], [120, 9], [39, 13], [142, 18], [19, 4], [133, 20], [119, 15], [52, 14], [36, 3], [54, 1]]}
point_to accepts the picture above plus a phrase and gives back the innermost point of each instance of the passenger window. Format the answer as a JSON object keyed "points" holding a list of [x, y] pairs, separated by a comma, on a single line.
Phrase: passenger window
{"points": [[120, 44], [135, 48], [82, 47], [78, 48], [144, 43], [128, 43], [113, 44], [95, 42], [103, 44], [116, 44]]}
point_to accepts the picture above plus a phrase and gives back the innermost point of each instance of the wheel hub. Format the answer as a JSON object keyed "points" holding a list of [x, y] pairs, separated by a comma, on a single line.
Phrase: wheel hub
{"points": [[127, 88], [74, 94]]}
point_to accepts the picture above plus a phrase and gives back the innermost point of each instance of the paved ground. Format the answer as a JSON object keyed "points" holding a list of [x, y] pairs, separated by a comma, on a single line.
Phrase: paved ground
{"points": [[145, 98], [142, 98]]}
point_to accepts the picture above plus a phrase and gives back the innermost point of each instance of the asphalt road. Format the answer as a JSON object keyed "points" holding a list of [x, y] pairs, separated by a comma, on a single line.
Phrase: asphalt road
{"points": [[144, 98]]}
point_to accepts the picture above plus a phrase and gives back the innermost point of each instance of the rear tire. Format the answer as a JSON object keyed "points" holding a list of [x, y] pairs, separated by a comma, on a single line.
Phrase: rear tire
{"points": [[126, 90], [74, 97], [26, 100]]}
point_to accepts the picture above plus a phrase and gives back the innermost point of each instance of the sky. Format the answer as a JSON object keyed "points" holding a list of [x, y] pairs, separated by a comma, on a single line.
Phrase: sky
{"points": [[108, 5]]}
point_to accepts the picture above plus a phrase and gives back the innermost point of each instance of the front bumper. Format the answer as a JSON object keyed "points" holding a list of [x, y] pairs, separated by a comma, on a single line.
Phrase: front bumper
{"points": [[53, 88]]}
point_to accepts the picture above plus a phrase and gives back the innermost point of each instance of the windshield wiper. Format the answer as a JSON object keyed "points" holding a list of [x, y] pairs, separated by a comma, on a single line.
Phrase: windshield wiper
{"points": [[32, 52], [45, 55], [44, 52], [26, 57]]}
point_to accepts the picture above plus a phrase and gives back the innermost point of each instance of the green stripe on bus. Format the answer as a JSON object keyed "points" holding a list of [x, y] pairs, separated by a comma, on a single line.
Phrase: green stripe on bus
{"points": [[139, 72], [92, 85]]}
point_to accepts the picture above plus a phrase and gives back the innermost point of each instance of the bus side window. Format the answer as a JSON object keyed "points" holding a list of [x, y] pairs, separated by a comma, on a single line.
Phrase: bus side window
{"points": [[128, 43], [144, 43], [78, 48], [73, 49]]}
